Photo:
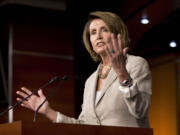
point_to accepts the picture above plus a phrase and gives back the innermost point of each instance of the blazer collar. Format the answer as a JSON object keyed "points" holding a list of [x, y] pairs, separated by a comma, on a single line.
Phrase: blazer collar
{"points": [[112, 76], [107, 83], [92, 91]]}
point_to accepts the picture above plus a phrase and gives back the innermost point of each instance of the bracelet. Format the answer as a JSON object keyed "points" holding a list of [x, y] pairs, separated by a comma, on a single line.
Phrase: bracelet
{"points": [[127, 83]]}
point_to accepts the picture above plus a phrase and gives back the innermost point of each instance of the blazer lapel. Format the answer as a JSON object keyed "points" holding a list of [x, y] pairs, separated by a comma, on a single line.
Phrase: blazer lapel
{"points": [[92, 91], [107, 83], [112, 76]]}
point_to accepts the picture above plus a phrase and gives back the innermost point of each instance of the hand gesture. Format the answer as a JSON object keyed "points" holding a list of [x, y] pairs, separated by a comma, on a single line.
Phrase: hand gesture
{"points": [[117, 55], [34, 101]]}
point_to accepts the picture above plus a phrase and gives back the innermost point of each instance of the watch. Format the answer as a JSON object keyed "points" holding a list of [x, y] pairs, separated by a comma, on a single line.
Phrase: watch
{"points": [[126, 83]]}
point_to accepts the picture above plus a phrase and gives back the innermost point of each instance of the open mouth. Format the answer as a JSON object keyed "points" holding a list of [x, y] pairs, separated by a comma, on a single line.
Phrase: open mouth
{"points": [[100, 44]]}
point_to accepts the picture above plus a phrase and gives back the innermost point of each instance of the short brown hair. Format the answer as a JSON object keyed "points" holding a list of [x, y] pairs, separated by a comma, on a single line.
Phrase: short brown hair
{"points": [[114, 23]]}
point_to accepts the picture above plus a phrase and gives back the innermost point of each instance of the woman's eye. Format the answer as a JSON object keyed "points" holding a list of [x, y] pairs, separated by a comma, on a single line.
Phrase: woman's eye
{"points": [[104, 30], [93, 32]]}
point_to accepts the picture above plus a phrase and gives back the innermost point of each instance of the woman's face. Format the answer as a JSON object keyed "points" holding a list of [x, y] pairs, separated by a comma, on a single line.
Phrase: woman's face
{"points": [[99, 35]]}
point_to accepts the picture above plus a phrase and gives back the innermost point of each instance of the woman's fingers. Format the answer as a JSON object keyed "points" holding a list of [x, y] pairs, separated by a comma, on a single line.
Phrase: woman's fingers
{"points": [[125, 50], [40, 93], [25, 103], [119, 43], [114, 43], [26, 106], [19, 99], [26, 90], [22, 94], [108, 52], [32, 102], [109, 48]]}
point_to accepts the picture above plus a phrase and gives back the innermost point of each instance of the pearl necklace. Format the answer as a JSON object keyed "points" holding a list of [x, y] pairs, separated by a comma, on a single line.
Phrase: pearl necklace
{"points": [[103, 76]]}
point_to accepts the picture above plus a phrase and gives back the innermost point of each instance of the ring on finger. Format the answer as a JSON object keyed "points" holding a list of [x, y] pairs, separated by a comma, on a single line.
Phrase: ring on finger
{"points": [[112, 50]]}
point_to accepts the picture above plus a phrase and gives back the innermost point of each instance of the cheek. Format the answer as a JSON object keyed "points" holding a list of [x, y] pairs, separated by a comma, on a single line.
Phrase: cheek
{"points": [[92, 41], [92, 38], [108, 38]]}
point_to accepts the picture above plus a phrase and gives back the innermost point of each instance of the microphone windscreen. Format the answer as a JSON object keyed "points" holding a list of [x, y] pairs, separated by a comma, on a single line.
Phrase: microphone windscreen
{"points": [[54, 79], [65, 78]]}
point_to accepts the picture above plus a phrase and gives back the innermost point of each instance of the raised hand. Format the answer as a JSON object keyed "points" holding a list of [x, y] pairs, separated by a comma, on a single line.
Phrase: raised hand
{"points": [[34, 101], [117, 56]]}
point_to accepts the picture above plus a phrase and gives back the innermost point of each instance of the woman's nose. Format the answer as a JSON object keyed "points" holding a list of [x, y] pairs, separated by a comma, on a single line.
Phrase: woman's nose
{"points": [[99, 35]]}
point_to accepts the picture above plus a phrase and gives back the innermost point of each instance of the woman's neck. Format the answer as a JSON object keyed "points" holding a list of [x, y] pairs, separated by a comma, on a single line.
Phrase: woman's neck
{"points": [[105, 60]]}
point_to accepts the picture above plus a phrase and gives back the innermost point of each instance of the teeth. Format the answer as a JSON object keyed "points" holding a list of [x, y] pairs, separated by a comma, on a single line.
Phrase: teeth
{"points": [[100, 44]]}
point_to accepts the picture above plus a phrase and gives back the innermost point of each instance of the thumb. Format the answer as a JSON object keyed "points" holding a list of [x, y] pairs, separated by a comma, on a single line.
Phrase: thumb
{"points": [[40, 93], [125, 50]]}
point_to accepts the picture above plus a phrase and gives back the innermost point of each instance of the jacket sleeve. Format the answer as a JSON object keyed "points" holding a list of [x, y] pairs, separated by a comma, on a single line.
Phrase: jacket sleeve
{"points": [[61, 118], [137, 97]]}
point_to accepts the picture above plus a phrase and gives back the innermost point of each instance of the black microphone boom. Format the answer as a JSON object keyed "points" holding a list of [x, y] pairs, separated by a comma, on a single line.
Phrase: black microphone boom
{"points": [[65, 78], [55, 79]]}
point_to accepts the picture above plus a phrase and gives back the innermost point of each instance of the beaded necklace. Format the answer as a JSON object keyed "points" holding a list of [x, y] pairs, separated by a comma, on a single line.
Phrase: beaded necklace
{"points": [[103, 76]]}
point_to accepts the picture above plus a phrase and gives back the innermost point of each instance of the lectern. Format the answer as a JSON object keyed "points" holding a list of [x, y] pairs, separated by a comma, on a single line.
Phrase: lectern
{"points": [[39, 128]]}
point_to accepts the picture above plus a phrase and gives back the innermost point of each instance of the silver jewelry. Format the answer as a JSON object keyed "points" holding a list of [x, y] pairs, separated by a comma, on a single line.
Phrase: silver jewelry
{"points": [[127, 83]]}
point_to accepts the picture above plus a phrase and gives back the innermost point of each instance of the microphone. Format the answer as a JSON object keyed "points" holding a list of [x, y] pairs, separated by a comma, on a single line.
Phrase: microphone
{"points": [[55, 79], [65, 78]]}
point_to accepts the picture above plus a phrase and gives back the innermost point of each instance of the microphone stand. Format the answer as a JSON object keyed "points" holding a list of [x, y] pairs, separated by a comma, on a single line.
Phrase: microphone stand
{"points": [[49, 96], [34, 92]]}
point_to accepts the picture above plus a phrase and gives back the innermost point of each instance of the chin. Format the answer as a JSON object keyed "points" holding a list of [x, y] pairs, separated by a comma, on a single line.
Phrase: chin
{"points": [[100, 52]]}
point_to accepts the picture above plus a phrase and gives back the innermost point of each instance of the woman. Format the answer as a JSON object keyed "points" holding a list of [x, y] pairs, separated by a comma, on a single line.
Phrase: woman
{"points": [[118, 92]]}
